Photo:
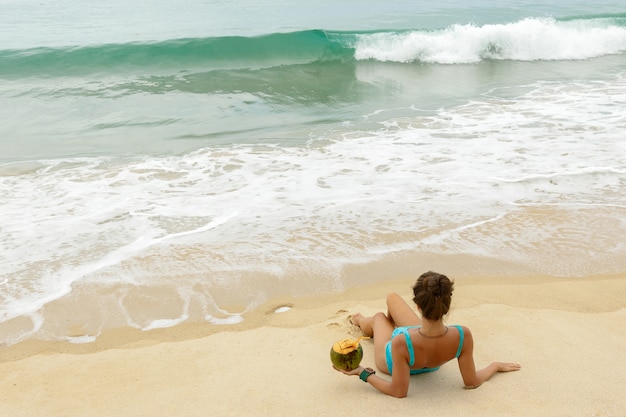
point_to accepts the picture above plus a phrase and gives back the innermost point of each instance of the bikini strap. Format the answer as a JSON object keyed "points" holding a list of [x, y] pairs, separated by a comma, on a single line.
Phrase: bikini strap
{"points": [[409, 344], [461, 340]]}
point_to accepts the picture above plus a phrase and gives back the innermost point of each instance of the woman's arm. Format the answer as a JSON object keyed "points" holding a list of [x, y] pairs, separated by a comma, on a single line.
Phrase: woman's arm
{"points": [[399, 385], [473, 378]]}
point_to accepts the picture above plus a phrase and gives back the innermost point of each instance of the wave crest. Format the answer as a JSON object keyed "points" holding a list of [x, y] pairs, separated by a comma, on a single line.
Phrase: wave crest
{"points": [[530, 39]]}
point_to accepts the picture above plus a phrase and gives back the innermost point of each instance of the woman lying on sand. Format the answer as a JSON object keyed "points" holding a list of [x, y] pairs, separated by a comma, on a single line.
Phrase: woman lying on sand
{"points": [[404, 345]]}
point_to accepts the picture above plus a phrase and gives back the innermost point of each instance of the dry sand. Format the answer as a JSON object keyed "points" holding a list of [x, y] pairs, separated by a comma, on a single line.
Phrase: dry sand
{"points": [[569, 336]]}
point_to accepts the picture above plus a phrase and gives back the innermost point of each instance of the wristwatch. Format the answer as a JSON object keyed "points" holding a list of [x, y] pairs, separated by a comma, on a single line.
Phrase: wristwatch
{"points": [[365, 373]]}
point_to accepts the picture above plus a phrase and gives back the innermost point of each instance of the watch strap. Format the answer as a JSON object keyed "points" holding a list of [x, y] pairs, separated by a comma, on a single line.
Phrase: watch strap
{"points": [[366, 373]]}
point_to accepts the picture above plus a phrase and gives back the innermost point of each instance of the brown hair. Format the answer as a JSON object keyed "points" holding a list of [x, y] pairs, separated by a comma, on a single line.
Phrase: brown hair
{"points": [[433, 294]]}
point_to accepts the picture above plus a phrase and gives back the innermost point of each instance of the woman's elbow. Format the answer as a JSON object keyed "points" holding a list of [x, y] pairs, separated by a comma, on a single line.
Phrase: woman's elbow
{"points": [[399, 393], [471, 384]]}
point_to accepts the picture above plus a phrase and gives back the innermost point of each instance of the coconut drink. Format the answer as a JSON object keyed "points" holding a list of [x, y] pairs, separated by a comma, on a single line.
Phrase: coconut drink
{"points": [[346, 354]]}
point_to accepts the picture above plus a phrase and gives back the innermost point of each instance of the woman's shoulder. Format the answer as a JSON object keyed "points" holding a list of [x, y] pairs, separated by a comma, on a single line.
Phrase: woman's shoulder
{"points": [[461, 328], [464, 332], [403, 330]]}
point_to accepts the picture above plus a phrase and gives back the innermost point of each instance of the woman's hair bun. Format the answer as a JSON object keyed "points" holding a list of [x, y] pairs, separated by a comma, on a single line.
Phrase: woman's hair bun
{"points": [[438, 285], [433, 294]]}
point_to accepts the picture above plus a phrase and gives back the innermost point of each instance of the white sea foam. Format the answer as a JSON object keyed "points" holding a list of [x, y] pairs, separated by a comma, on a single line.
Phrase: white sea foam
{"points": [[164, 323], [221, 218], [233, 319], [530, 39], [81, 339]]}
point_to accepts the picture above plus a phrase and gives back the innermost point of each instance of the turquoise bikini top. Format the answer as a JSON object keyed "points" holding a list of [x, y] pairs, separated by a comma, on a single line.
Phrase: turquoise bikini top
{"points": [[405, 330]]}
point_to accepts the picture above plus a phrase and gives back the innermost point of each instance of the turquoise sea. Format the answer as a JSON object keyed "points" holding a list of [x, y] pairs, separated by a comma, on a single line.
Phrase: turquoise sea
{"points": [[164, 162]]}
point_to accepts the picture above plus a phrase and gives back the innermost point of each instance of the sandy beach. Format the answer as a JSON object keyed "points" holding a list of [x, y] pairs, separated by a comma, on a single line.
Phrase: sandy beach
{"points": [[194, 201], [568, 334]]}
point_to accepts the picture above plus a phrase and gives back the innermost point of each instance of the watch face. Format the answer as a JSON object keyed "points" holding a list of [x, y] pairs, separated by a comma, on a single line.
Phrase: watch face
{"points": [[366, 374]]}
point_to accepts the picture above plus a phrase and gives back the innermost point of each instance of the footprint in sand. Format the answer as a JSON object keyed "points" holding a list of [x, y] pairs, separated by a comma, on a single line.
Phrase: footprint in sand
{"points": [[345, 323], [334, 324]]}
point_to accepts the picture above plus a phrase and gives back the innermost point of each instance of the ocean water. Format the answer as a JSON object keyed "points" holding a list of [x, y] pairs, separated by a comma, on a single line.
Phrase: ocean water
{"points": [[189, 162]]}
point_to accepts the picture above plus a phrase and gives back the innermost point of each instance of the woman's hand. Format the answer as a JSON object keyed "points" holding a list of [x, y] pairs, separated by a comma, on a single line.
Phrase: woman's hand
{"points": [[508, 366], [486, 373], [355, 371]]}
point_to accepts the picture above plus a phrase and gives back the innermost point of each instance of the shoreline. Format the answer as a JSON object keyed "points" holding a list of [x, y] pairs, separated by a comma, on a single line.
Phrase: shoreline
{"points": [[567, 334], [92, 311], [581, 295]]}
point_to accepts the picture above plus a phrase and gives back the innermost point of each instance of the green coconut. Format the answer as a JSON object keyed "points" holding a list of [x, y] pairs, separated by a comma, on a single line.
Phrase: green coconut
{"points": [[347, 354]]}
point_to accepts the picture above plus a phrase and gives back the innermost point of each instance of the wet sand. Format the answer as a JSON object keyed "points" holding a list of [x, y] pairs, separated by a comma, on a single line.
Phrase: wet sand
{"points": [[568, 335]]}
